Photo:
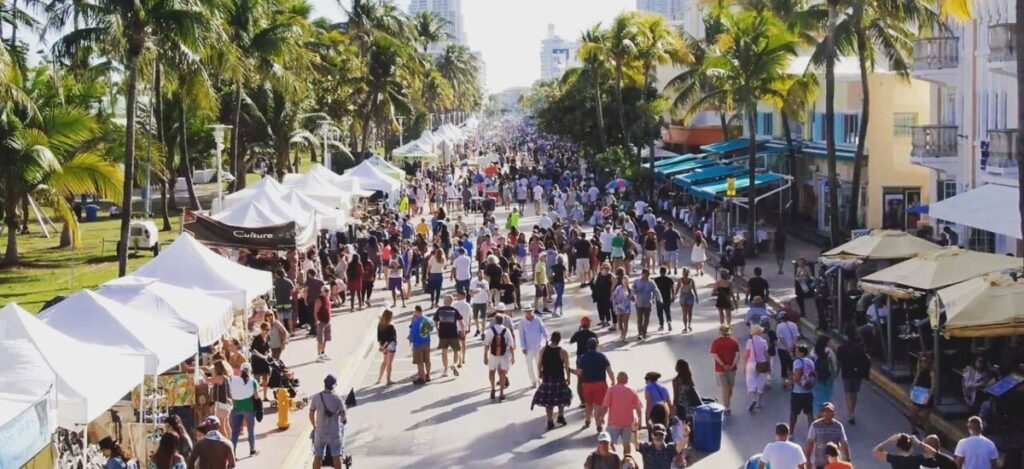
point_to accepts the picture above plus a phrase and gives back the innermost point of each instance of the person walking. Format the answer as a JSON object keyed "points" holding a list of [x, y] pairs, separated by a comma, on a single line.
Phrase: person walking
{"points": [[854, 367], [478, 301], [435, 275], [757, 286], [726, 352], [466, 311], [322, 313], [976, 451], [601, 292], [622, 303], [554, 388], [624, 412], [826, 369], [499, 354], [604, 457], [779, 247], [684, 393], [725, 297], [214, 450], [395, 280], [787, 334], [686, 290], [665, 286], [801, 397], [327, 415], [758, 365], [532, 335], [581, 249], [581, 338], [904, 457], [387, 344], [449, 322], [540, 284], [595, 371], [279, 336], [420, 329], [823, 431], [245, 398], [698, 253], [646, 295], [558, 274], [670, 240], [782, 453], [259, 352], [921, 399]]}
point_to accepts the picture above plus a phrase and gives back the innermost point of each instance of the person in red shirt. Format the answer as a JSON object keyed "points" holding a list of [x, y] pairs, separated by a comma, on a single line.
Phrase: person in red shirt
{"points": [[322, 313], [726, 352]]}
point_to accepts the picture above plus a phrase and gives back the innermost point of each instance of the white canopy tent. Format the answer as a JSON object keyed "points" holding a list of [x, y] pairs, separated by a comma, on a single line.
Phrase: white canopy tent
{"points": [[186, 309], [25, 381], [991, 207], [415, 149], [427, 139], [187, 263], [322, 188], [94, 319], [262, 210], [386, 167], [268, 185], [372, 178], [326, 216], [84, 390]]}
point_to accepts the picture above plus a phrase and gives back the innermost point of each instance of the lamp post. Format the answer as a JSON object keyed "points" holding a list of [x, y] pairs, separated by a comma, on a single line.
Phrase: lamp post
{"points": [[219, 134], [400, 131]]}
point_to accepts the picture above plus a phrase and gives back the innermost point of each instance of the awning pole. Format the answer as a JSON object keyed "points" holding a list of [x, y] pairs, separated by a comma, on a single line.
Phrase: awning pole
{"points": [[839, 299], [888, 335]]}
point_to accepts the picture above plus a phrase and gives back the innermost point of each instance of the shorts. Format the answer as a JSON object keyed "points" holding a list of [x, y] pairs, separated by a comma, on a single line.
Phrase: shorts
{"points": [[225, 406], [284, 313], [502, 363], [582, 265], [421, 354], [333, 446], [651, 255], [479, 310], [851, 385], [323, 332], [726, 379], [390, 347], [672, 256], [603, 256], [686, 299], [623, 434], [541, 290], [462, 286], [455, 344], [593, 393], [618, 253], [394, 283], [801, 403]]}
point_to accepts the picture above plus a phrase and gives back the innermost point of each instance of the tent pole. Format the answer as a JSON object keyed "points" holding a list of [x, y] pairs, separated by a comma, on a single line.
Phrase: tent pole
{"points": [[888, 335], [935, 351], [838, 327]]}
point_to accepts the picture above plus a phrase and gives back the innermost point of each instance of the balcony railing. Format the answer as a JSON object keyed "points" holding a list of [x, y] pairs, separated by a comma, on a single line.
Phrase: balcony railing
{"points": [[933, 141], [1002, 42], [1002, 151], [936, 53]]}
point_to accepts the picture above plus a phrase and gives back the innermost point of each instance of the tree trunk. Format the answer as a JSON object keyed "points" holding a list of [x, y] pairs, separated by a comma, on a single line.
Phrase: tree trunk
{"points": [[237, 165], [186, 160], [158, 118], [648, 133], [794, 209], [14, 24], [865, 107], [24, 214], [600, 116], [1019, 39], [833, 186], [11, 219], [65, 236], [751, 238], [365, 131], [618, 103], [725, 125], [131, 82]]}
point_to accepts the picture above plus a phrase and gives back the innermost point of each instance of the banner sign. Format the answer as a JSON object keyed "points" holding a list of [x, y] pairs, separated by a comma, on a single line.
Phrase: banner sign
{"points": [[25, 436], [215, 233]]}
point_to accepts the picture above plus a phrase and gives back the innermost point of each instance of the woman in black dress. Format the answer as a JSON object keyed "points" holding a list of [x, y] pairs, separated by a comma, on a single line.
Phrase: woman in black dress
{"points": [[554, 387], [387, 339], [506, 290], [725, 299], [260, 351]]}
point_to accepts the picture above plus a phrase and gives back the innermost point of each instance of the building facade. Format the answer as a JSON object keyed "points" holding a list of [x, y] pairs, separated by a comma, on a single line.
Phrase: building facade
{"points": [[971, 143], [450, 10], [557, 55], [673, 10]]}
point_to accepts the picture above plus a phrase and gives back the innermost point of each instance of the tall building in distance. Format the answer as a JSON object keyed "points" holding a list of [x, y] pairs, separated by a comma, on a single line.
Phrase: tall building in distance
{"points": [[450, 10], [557, 55], [672, 10]]}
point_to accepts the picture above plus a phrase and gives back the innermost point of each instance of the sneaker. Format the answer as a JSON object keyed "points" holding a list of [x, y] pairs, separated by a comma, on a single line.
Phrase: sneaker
{"points": [[551, 425], [751, 406], [419, 381], [445, 374], [327, 357], [492, 394], [254, 452], [561, 420], [320, 359], [662, 327], [670, 327], [852, 421], [455, 370]]}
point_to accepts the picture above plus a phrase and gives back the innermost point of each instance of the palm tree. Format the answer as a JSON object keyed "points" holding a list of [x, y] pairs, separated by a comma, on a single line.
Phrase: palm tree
{"points": [[387, 92], [798, 92], [694, 82], [619, 48], [594, 70], [751, 58], [125, 31], [459, 67], [430, 28]]}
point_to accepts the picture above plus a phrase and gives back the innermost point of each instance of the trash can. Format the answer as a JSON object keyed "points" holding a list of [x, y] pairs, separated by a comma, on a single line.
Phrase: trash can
{"points": [[707, 427], [92, 212]]}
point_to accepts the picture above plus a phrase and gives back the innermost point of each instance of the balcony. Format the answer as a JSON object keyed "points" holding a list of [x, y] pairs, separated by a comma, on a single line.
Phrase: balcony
{"points": [[1002, 48], [1002, 151], [934, 146], [936, 58]]}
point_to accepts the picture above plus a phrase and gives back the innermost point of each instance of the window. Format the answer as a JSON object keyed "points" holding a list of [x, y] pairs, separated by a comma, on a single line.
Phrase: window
{"points": [[902, 122], [765, 123], [981, 240], [895, 202], [850, 126], [947, 189]]}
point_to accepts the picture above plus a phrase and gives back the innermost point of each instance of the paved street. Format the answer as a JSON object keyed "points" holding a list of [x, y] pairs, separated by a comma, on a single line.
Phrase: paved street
{"points": [[451, 422]]}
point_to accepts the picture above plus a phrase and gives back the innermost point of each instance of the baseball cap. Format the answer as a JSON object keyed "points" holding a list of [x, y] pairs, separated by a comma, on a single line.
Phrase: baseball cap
{"points": [[212, 422], [604, 437], [330, 381], [828, 406], [246, 367], [658, 429]]}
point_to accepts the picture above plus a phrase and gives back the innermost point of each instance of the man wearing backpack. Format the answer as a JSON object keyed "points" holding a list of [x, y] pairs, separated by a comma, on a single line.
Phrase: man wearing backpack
{"points": [[801, 397], [499, 346]]}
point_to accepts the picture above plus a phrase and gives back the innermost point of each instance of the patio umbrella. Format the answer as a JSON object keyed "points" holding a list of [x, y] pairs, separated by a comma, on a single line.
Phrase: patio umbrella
{"points": [[987, 306], [618, 183], [883, 244], [942, 268]]}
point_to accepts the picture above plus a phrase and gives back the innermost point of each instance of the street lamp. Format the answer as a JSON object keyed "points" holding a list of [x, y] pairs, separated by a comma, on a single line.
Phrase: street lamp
{"points": [[326, 128], [219, 134], [400, 131]]}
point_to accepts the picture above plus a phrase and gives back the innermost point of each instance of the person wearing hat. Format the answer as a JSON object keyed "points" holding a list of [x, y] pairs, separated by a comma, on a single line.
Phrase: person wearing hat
{"points": [[657, 453], [756, 311], [214, 450], [758, 365], [244, 400], [827, 429], [327, 415], [726, 352], [603, 457]]}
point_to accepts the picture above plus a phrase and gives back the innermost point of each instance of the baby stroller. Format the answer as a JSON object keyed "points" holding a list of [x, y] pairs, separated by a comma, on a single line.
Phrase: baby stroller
{"points": [[326, 460], [281, 377]]}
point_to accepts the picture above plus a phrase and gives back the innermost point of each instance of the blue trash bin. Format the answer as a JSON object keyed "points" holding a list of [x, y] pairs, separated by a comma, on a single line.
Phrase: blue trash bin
{"points": [[707, 427], [92, 212]]}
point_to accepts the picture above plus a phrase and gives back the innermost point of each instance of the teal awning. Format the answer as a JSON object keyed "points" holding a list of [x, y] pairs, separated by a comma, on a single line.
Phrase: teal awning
{"points": [[685, 167], [842, 154], [708, 174], [727, 146], [672, 160], [715, 189]]}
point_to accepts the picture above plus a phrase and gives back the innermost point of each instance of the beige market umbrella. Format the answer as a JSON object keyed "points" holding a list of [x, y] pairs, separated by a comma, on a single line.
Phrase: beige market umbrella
{"points": [[883, 244], [942, 268], [987, 306]]}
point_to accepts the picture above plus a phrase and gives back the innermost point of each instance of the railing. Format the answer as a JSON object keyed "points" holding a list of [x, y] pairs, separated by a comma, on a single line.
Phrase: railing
{"points": [[933, 141], [1002, 42], [936, 53], [1002, 151]]}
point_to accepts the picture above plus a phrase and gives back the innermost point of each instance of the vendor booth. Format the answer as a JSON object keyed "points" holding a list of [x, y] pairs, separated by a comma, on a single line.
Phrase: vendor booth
{"points": [[371, 178], [185, 309], [386, 167], [28, 410], [268, 186]]}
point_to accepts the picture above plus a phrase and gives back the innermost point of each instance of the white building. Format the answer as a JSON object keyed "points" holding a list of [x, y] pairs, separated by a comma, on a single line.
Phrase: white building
{"points": [[673, 10], [508, 98], [974, 100], [450, 10], [557, 55]]}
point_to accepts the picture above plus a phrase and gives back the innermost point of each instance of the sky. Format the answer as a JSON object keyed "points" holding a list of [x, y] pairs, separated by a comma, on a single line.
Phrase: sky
{"points": [[508, 32]]}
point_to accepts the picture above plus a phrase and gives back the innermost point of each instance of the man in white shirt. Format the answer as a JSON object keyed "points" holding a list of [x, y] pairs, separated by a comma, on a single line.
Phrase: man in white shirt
{"points": [[532, 336], [538, 196], [545, 221], [788, 335], [466, 311], [976, 451], [878, 312], [592, 194], [783, 454], [606, 243], [461, 271], [478, 302], [640, 206]]}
